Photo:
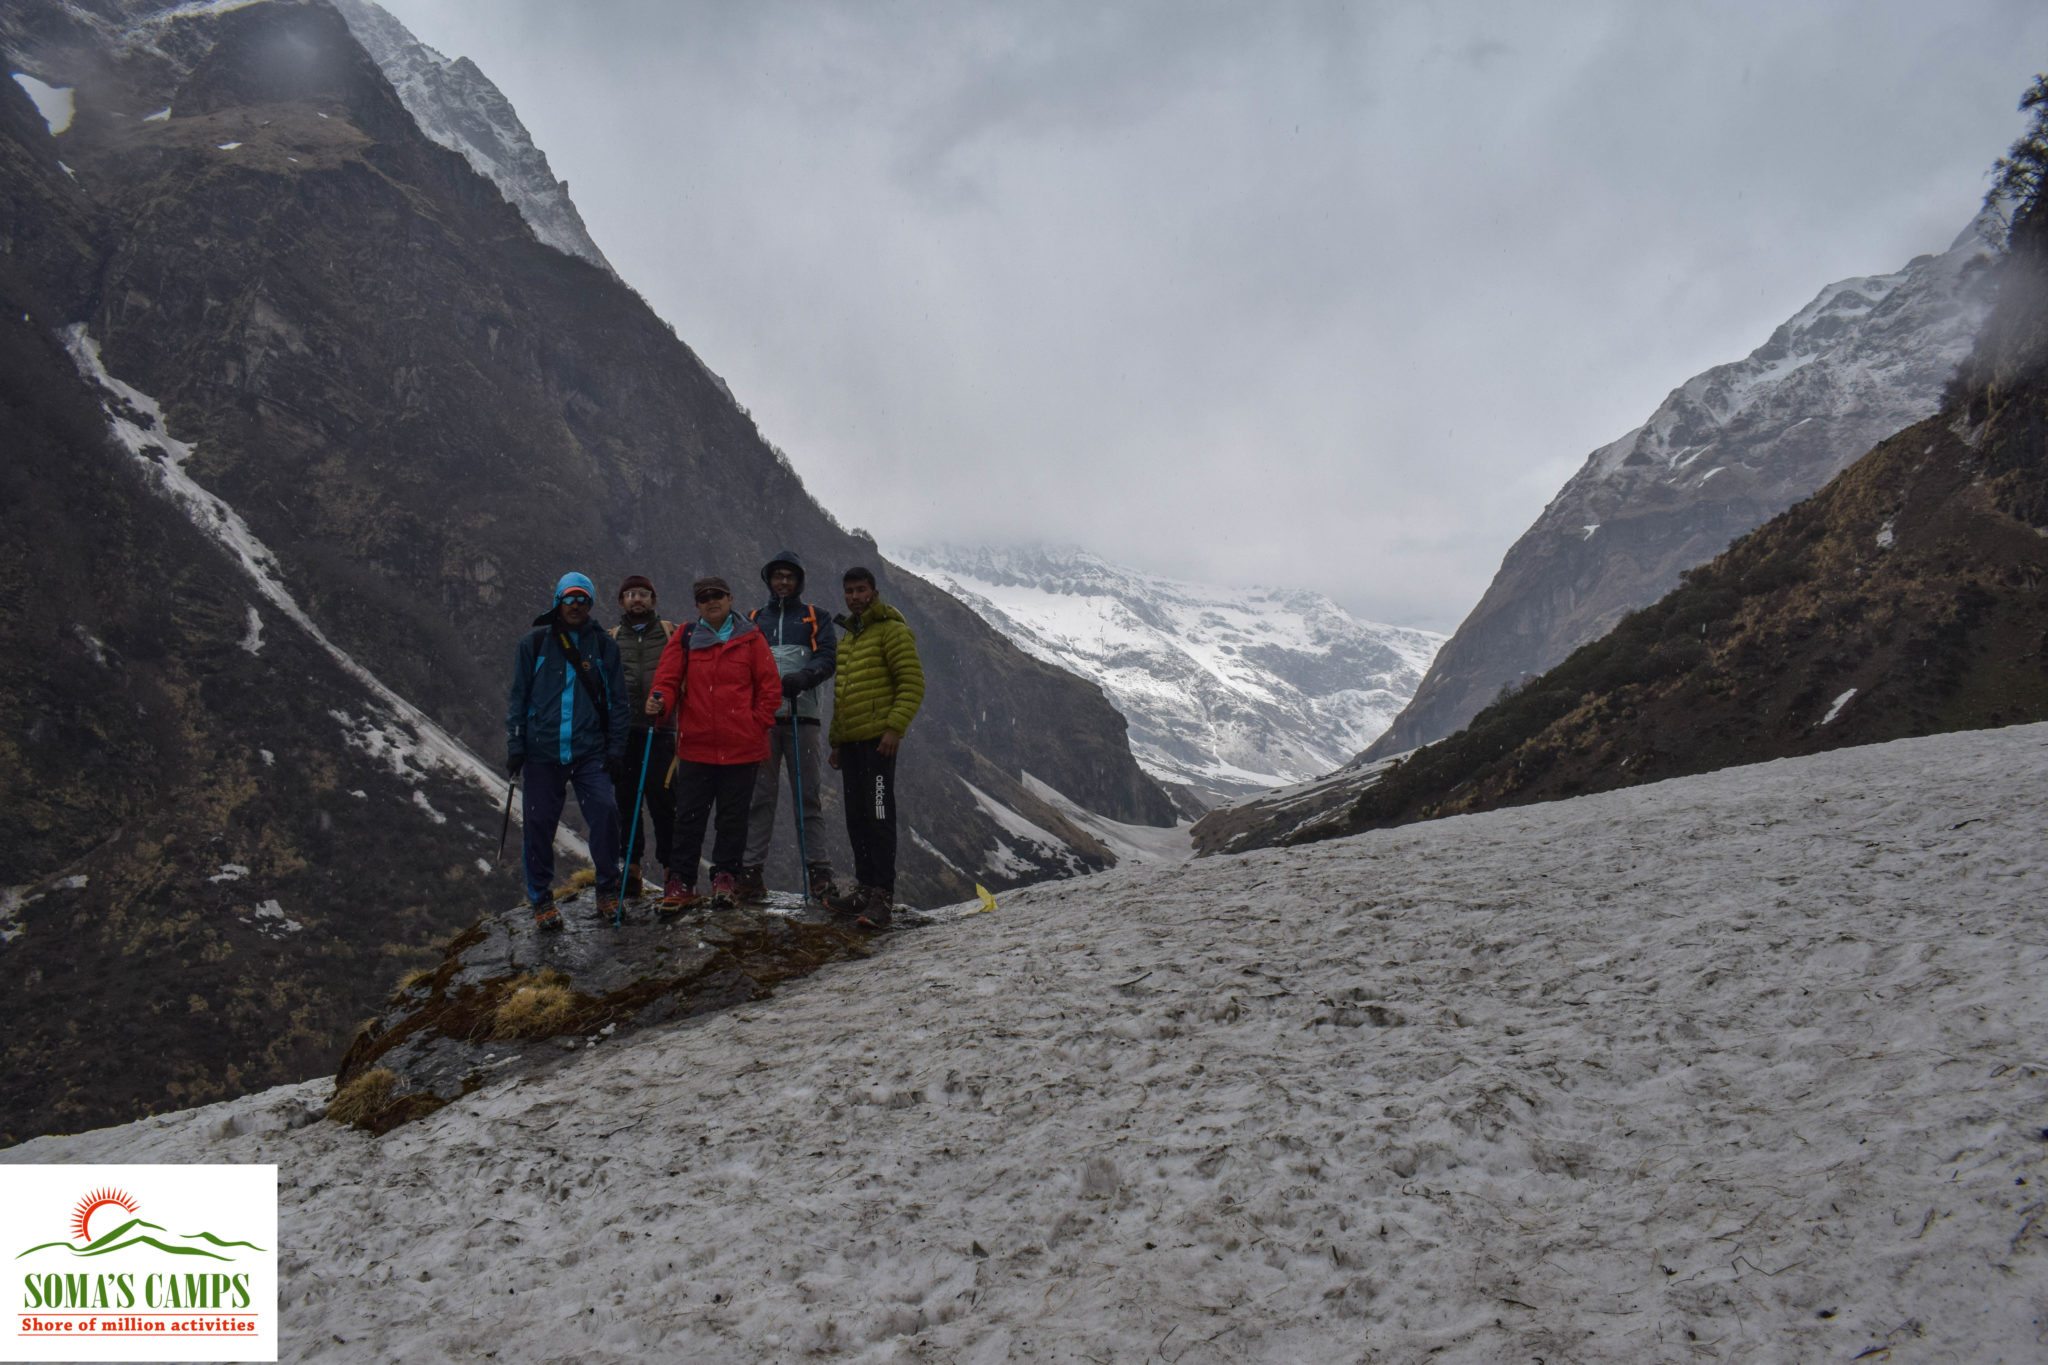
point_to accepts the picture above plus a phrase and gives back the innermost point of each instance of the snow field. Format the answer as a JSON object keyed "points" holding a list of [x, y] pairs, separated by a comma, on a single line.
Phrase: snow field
{"points": [[1752, 1066]]}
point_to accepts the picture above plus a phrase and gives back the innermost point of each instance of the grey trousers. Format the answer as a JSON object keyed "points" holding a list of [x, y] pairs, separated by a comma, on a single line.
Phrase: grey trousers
{"points": [[768, 787]]}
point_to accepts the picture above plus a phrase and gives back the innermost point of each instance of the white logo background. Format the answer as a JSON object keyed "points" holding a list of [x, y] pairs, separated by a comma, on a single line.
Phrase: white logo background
{"points": [[45, 1320]]}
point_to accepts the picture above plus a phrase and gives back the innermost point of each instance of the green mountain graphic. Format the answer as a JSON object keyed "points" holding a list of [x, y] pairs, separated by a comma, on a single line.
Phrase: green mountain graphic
{"points": [[113, 1241]]}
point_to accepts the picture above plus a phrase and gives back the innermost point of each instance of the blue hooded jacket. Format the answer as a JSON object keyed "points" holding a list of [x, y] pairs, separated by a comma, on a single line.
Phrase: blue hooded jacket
{"points": [[549, 716]]}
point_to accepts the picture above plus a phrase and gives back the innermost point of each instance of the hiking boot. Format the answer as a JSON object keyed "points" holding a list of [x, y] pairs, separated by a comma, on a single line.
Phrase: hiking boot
{"points": [[845, 907], [821, 881], [605, 906], [750, 887], [688, 901], [722, 891], [546, 919], [675, 889], [878, 909], [635, 887]]}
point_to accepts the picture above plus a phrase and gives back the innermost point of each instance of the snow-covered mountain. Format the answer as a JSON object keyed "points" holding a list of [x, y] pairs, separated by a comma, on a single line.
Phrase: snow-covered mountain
{"points": [[1724, 453], [458, 106], [1605, 1080], [1227, 691]]}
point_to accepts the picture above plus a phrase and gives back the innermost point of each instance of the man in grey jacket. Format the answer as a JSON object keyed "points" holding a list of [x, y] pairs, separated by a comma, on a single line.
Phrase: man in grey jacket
{"points": [[800, 636]]}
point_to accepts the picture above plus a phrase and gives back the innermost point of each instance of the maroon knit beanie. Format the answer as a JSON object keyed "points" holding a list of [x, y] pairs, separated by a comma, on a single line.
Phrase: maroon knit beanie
{"points": [[634, 581]]}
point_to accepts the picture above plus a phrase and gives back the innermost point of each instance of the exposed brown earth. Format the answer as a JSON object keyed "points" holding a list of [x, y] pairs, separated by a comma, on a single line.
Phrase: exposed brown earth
{"points": [[505, 1000]]}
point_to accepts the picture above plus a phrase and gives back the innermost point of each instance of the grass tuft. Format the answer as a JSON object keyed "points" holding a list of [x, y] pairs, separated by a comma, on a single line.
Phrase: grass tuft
{"points": [[534, 1007], [363, 1096]]}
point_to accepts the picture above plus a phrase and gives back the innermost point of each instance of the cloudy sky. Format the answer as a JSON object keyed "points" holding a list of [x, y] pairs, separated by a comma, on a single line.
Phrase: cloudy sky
{"points": [[1315, 294]]}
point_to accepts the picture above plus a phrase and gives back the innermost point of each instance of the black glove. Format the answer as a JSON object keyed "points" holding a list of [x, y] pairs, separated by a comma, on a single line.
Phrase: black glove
{"points": [[514, 764], [791, 685], [615, 769]]}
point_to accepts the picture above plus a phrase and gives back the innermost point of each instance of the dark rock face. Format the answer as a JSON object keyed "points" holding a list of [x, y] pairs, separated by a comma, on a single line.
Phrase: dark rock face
{"points": [[1288, 814], [506, 1000], [419, 416], [1725, 452], [459, 107]]}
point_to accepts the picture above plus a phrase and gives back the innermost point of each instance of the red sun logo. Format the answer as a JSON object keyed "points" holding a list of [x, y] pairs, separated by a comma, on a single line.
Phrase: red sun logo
{"points": [[93, 1203]]}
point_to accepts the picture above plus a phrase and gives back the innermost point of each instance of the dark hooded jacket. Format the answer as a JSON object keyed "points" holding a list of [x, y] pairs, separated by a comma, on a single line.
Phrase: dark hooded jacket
{"points": [[552, 717], [801, 638]]}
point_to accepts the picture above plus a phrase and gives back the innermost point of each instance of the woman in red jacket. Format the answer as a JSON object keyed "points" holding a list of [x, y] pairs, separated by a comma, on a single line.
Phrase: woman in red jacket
{"points": [[724, 673]]}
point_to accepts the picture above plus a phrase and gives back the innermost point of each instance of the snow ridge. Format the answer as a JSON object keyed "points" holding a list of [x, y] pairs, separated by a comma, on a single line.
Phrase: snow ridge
{"points": [[404, 731], [459, 107], [1226, 690], [1875, 343]]}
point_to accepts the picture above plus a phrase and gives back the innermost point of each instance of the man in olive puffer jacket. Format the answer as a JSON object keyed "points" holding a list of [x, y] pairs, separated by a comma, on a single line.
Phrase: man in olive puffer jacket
{"points": [[878, 686]]}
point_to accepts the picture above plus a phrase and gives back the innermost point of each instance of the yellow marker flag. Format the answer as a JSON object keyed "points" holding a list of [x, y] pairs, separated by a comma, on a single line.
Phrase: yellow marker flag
{"points": [[988, 902]]}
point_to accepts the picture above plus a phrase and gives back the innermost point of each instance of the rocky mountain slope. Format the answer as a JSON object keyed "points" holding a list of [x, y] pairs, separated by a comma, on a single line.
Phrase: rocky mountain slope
{"points": [[303, 421], [457, 106], [1728, 450], [1737, 1067], [1904, 598], [1227, 691]]}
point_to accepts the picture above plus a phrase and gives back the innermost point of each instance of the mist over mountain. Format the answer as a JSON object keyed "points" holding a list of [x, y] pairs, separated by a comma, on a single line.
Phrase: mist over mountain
{"points": [[1228, 691], [1902, 599], [1725, 452]]}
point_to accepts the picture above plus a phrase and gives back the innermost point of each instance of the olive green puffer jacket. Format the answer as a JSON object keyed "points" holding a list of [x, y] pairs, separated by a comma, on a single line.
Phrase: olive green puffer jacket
{"points": [[879, 683]]}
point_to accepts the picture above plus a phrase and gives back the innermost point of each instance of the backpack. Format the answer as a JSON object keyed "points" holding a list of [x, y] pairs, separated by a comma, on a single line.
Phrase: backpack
{"points": [[583, 671], [667, 625], [810, 619]]}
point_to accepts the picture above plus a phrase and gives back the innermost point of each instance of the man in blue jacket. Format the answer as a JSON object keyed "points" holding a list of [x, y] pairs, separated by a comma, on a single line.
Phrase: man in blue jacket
{"points": [[800, 637], [565, 725]]}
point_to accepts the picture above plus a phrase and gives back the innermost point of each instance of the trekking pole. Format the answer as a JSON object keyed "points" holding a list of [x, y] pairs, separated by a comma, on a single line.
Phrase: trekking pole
{"points": [[505, 828], [646, 752], [796, 768]]}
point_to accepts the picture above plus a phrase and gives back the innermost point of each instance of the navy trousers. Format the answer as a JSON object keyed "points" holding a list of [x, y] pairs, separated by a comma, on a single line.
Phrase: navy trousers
{"points": [[540, 806]]}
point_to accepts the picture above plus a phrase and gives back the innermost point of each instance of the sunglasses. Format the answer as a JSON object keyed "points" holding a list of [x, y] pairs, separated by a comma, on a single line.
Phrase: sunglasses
{"points": [[578, 597], [712, 596]]}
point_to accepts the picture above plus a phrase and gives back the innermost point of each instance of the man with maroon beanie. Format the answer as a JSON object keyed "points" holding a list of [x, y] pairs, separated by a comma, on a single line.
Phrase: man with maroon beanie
{"points": [[720, 677], [650, 746]]}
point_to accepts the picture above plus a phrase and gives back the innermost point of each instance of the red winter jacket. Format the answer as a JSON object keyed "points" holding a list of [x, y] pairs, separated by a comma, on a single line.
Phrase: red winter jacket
{"points": [[731, 690]]}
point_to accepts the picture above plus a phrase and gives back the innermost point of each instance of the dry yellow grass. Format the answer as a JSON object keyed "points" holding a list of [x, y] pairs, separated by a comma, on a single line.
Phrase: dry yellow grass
{"points": [[363, 1096], [578, 879], [534, 1007]]}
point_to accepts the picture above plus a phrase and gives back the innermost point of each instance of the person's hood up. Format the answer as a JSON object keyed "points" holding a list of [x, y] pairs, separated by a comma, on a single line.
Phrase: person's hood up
{"points": [[552, 616], [791, 558]]}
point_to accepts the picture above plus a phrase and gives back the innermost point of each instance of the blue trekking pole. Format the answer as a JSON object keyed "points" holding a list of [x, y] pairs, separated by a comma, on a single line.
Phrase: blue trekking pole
{"points": [[796, 769], [646, 752]]}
